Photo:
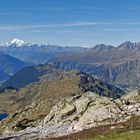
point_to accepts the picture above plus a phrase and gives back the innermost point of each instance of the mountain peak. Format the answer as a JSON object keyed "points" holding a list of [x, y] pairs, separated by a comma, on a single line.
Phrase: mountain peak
{"points": [[128, 45], [102, 47], [16, 42], [20, 43]]}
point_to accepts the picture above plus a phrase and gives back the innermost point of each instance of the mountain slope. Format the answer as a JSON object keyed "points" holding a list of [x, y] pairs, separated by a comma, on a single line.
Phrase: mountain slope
{"points": [[37, 98], [10, 65], [76, 114], [3, 76], [116, 65], [36, 73], [28, 75]]}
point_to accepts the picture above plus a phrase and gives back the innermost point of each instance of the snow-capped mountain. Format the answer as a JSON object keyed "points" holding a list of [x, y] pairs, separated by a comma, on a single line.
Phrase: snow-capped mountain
{"points": [[21, 43], [15, 42], [36, 53]]}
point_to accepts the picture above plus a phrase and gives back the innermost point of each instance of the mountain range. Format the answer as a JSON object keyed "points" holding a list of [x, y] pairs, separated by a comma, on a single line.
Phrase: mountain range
{"points": [[34, 74], [70, 92], [64, 103], [17, 54], [37, 98], [36, 53], [114, 65], [117, 65], [10, 65]]}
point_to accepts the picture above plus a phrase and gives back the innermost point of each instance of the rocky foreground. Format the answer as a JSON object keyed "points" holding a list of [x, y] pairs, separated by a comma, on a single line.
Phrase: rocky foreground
{"points": [[79, 112]]}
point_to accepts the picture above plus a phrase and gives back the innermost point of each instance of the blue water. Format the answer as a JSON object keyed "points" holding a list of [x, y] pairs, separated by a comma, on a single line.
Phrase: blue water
{"points": [[3, 116]]}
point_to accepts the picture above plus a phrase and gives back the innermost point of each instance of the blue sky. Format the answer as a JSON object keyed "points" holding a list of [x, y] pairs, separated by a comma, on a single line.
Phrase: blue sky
{"points": [[70, 22]]}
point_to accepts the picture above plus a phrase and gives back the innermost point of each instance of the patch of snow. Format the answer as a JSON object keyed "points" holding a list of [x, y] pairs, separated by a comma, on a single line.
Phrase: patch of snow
{"points": [[16, 42]]}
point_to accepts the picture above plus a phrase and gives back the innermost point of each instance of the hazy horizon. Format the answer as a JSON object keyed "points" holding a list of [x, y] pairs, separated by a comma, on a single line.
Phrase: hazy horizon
{"points": [[30, 42], [70, 23]]}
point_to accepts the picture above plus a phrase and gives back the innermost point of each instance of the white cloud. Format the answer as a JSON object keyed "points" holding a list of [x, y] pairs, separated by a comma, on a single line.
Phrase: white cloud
{"points": [[38, 27]]}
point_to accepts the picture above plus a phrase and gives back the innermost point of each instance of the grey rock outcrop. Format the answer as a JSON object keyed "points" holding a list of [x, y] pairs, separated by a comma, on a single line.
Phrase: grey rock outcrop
{"points": [[79, 112]]}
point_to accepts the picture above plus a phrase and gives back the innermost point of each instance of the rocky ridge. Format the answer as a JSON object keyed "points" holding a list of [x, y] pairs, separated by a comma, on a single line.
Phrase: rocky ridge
{"points": [[78, 112], [116, 65], [28, 106]]}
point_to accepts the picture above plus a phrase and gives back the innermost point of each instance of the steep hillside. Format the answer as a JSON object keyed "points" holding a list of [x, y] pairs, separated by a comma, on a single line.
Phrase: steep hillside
{"points": [[28, 75], [31, 104], [118, 65], [76, 115], [33, 74], [10, 65], [3, 76]]}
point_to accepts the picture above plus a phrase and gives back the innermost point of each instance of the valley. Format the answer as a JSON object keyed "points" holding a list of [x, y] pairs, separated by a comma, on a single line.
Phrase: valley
{"points": [[69, 70], [116, 65], [73, 96]]}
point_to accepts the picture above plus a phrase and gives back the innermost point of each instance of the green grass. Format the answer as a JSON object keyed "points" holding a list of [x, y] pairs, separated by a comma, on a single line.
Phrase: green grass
{"points": [[119, 136]]}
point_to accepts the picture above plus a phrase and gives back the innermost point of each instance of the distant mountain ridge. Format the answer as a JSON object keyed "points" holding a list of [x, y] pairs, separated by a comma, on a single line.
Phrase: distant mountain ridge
{"points": [[66, 95], [117, 65], [33, 74], [10, 65], [36, 53], [28, 75], [15, 41]]}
